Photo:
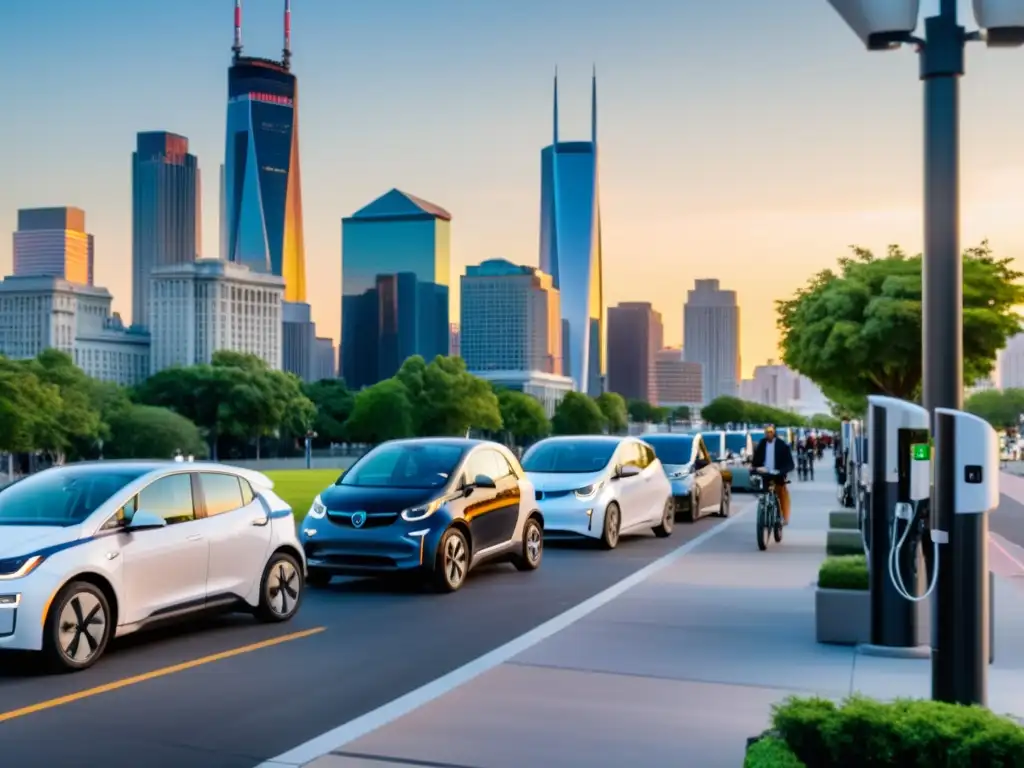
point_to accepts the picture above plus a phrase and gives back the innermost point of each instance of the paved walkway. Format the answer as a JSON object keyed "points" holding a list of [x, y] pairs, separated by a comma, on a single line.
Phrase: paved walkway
{"points": [[678, 670]]}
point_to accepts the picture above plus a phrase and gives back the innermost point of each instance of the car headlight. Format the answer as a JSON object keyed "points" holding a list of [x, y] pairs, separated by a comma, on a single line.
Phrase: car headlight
{"points": [[422, 512], [17, 567], [317, 510], [588, 491]]}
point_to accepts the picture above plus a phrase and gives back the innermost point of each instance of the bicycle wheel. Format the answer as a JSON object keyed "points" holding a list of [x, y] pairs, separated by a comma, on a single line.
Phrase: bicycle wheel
{"points": [[762, 525], [777, 520]]}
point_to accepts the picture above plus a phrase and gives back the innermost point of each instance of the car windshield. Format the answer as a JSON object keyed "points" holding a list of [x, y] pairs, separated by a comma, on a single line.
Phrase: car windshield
{"points": [[558, 456], [63, 496], [736, 443], [405, 465], [672, 450]]}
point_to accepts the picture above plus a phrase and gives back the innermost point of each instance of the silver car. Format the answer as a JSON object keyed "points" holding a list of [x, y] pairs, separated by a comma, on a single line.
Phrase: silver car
{"points": [[599, 487]]}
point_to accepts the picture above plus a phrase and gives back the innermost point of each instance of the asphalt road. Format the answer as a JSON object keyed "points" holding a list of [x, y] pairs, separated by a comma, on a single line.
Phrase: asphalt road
{"points": [[1008, 520], [374, 644]]}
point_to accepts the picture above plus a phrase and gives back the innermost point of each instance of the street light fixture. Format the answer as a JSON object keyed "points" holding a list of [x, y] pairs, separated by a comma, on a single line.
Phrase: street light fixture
{"points": [[959, 657]]}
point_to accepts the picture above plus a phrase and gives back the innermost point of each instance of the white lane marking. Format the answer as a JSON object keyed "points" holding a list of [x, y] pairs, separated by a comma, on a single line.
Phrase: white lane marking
{"points": [[338, 737]]}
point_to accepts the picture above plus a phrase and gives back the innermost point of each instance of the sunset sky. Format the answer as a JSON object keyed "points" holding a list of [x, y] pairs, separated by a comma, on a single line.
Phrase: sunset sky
{"points": [[746, 140]]}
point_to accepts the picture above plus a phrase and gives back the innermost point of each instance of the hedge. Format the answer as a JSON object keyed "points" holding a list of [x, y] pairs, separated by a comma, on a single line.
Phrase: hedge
{"points": [[844, 572], [907, 733]]}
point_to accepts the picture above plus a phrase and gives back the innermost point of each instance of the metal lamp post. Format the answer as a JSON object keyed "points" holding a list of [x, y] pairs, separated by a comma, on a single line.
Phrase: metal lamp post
{"points": [[959, 658]]}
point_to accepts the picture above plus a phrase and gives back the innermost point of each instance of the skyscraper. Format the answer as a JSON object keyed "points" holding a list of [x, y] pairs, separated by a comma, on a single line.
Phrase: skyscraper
{"points": [[52, 242], [511, 319], [635, 335], [396, 265], [570, 247], [679, 382], [166, 211], [261, 188], [711, 337]]}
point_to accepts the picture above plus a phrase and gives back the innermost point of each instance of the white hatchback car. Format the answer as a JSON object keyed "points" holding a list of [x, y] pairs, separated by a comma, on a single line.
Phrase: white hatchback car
{"points": [[599, 487], [98, 550]]}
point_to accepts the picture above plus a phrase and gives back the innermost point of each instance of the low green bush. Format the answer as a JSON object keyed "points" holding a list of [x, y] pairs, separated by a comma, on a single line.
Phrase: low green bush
{"points": [[844, 542], [864, 733], [844, 572]]}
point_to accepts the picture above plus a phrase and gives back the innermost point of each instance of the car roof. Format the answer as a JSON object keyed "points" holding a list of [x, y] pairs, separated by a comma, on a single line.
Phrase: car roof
{"points": [[455, 442], [598, 439], [157, 465]]}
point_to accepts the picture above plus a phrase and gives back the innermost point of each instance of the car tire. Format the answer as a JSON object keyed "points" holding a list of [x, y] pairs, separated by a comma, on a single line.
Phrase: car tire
{"points": [[668, 520], [79, 616], [723, 510], [281, 589], [532, 548], [612, 526], [451, 565], [316, 577]]}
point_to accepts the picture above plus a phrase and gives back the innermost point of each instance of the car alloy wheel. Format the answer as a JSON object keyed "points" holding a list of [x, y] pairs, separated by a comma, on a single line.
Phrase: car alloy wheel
{"points": [[78, 627], [282, 589], [612, 523], [668, 520], [533, 546], [534, 543], [452, 563]]}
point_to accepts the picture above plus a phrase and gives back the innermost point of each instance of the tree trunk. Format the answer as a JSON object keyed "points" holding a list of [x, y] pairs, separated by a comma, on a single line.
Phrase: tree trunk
{"points": [[257, 447]]}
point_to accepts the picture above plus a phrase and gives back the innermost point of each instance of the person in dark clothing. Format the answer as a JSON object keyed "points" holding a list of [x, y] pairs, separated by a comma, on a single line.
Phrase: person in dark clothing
{"points": [[774, 456]]}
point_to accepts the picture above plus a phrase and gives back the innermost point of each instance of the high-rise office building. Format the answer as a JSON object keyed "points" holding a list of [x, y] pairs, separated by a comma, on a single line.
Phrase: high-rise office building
{"points": [[396, 265], [510, 319], [570, 248], [52, 242], [635, 335], [298, 339], [454, 340], [324, 357], [679, 382], [261, 188], [779, 386], [711, 337], [166, 211]]}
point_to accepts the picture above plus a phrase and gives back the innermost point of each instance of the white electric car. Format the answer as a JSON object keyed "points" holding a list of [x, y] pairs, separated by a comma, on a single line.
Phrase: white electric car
{"points": [[98, 550], [599, 487]]}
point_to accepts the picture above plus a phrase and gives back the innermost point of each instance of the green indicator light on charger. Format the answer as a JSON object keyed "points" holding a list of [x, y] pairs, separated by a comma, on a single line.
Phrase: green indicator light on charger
{"points": [[921, 452]]}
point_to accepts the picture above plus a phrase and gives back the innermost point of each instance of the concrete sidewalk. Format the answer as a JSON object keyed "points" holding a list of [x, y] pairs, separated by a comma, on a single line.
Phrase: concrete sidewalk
{"points": [[679, 670]]}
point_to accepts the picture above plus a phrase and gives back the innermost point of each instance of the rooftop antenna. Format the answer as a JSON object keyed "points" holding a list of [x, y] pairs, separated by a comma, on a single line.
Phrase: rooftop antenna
{"points": [[286, 54], [555, 115], [236, 49], [593, 106]]}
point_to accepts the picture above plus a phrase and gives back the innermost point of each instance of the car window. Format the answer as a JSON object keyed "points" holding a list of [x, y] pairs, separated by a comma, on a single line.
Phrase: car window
{"points": [[676, 450], [62, 496], [565, 456], [405, 465], [499, 465], [629, 455], [702, 451], [479, 464], [170, 497], [122, 517], [248, 494], [221, 493], [649, 456]]}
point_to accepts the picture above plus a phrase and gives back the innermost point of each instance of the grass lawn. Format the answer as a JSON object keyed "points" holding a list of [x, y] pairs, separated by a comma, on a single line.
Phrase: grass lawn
{"points": [[299, 486]]}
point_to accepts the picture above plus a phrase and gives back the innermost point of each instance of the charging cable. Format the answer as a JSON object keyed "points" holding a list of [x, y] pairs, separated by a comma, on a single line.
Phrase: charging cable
{"points": [[905, 511]]}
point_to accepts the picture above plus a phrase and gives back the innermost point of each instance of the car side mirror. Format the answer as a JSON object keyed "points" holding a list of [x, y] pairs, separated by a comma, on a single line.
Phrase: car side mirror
{"points": [[143, 521], [627, 470]]}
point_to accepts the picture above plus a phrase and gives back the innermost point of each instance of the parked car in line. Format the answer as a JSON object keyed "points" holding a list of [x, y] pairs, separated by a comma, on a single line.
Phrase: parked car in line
{"points": [[599, 487], [741, 475], [699, 487], [98, 550], [430, 507]]}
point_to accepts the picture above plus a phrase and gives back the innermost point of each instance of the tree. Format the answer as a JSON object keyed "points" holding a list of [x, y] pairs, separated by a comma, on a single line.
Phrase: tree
{"points": [[642, 412], [27, 407], [824, 421], [680, 413], [446, 398], [381, 412], [857, 331], [614, 409], [523, 416], [1000, 409], [197, 392], [334, 402], [578, 414], [76, 418], [724, 410], [150, 432]]}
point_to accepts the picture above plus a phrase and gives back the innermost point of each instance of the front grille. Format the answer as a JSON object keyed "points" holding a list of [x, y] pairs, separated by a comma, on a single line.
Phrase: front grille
{"points": [[359, 561], [541, 495], [373, 519]]}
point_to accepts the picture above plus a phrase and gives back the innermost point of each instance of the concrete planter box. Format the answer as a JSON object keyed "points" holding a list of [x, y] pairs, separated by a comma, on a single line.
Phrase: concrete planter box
{"points": [[843, 520], [844, 542], [842, 616]]}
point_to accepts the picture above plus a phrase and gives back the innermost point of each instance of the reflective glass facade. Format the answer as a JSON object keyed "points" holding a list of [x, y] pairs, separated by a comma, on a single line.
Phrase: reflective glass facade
{"points": [[262, 205], [395, 277]]}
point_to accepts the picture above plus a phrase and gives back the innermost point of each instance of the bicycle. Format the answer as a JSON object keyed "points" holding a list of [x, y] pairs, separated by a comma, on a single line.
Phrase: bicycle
{"points": [[769, 511]]}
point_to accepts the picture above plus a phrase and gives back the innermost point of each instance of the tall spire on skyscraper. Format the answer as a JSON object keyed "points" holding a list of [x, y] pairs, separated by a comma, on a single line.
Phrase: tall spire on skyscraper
{"points": [[286, 54], [555, 112], [593, 106], [236, 49]]}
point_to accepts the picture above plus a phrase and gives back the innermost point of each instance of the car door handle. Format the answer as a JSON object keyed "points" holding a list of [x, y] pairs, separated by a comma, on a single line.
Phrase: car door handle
{"points": [[261, 521], [195, 537]]}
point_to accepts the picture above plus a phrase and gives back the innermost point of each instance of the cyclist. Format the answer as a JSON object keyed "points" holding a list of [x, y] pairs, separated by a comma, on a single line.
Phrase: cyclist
{"points": [[773, 456], [803, 458]]}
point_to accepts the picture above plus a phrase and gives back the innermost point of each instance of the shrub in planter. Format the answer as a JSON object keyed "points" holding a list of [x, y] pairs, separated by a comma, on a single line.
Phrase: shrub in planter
{"points": [[844, 572], [771, 752]]}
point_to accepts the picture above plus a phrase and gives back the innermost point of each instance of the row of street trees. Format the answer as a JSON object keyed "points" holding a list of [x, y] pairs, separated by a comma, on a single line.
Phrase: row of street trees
{"points": [[731, 410], [1002, 409], [856, 330]]}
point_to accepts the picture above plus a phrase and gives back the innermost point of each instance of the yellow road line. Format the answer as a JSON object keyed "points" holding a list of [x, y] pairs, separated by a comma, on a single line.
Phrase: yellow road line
{"points": [[163, 672]]}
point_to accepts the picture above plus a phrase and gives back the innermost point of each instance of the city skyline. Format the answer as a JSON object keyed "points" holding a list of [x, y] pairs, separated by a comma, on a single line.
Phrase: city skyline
{"points": [[733, 189]]}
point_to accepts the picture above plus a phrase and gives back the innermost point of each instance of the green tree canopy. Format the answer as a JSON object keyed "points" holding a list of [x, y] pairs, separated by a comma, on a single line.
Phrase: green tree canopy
{"points": [[76, 419], [381, 412], [578, 414], [824, 421], [150, 432], [613, 406], [28, 407], [642, 412], [523, 416], [334, 402], [680, 413], [856, 331], [1000, 409], [731, 410], [446, 398]]}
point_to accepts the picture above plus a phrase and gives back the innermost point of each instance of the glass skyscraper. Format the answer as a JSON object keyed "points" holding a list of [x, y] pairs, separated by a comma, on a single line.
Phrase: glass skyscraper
{"points": [[570, 248], [396, 265], [166, 211], [261, 185]]}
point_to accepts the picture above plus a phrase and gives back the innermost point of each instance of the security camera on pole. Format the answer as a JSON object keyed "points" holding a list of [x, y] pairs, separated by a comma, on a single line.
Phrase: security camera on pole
{"points": [[885, 25]]}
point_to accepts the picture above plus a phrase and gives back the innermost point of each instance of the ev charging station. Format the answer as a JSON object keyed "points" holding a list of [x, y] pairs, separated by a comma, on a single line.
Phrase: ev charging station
{"points": [[899, 473], [969, 475], [847, 490]]}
